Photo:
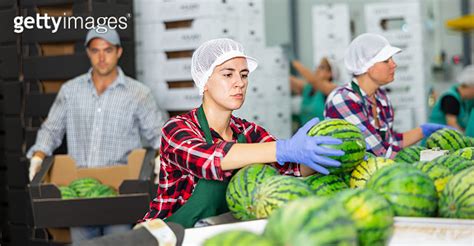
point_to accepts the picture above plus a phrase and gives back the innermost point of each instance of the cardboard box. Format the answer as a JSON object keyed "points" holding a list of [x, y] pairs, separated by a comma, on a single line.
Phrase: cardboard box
{"points": [[176, 99], [133, 181], [157, 65]]}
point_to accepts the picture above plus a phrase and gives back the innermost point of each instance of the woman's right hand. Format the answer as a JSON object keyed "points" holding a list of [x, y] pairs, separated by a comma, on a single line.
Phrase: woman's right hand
{"points": [[306, 150]]}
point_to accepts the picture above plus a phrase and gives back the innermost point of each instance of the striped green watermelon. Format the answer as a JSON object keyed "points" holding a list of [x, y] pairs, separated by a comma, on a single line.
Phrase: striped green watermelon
{"points": [[311, 221], [242, 187], [467, 153], [438, 173], [238, 238], [366, 169], [409, 191], [100, 190], [409, 155], [447, 139], [67, 193], [275, 191], [471, 140], [371, 213], [322, 185], [353, 142], [457, 199], [81, 186], [455, 163], [346, 177]]}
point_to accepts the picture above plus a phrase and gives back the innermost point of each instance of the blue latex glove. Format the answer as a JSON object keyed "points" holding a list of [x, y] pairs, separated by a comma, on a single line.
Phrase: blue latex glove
{"points": [[305, 149], [430, 128]]}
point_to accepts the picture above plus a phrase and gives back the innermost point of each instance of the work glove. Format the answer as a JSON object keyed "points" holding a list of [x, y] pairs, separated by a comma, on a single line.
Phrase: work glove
{"points": [[306, 150], [430, 128], [35, 166]]}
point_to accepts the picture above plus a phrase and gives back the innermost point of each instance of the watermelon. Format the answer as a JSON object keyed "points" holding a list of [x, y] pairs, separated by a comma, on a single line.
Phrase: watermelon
{"points": [[346, 177], [447, 139], [409, 155], [275, 191], [67, 193], [237, 238], [322, 185], [311, 221], [242, 187], [353, 142], [409, 191], [100, 190], [440, 174], [366, 169], [467, 153], [455, 163], [457, 199], [371, 214], [81, 186]]}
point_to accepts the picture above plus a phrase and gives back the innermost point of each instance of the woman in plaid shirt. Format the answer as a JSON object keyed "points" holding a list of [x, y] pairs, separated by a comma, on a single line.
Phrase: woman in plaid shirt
{"points": [[364, 103], [200, 149]]}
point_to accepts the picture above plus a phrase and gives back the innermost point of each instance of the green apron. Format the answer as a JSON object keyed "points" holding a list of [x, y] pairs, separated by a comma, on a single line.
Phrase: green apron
{"points": [[312, 105], [470, 125], [208, 198], [356, 88], [438, 116]]}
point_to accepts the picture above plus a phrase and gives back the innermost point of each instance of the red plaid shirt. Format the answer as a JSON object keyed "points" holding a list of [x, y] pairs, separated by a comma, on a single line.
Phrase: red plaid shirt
{"points": [[186, 158], [345, 103]]}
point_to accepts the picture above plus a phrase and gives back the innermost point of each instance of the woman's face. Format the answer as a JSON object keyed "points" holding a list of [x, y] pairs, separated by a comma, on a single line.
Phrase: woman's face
{"points": [[383, 72], [323, 71], [228, 83]]}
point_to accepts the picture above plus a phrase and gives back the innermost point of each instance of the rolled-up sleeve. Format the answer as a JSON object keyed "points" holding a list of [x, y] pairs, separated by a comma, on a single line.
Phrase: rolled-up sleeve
{"points": [[52, 131]]}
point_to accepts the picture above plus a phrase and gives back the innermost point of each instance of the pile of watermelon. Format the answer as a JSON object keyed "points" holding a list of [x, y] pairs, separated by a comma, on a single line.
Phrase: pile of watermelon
{"points": [[86, 188], [355, 204]]}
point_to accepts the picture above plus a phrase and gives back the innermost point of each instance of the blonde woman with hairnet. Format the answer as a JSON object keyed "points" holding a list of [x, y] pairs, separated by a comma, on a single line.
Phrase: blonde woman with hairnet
{"points": [[364, 103], [315, 89], [201, 149], [454, 106]]}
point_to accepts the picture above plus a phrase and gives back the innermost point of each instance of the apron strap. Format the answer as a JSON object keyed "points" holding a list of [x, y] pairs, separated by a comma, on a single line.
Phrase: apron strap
{"points": [[207, 131]]}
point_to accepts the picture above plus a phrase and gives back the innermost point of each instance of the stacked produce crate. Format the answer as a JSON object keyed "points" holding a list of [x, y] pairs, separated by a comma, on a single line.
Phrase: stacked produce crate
{"points": [[34, 64]]}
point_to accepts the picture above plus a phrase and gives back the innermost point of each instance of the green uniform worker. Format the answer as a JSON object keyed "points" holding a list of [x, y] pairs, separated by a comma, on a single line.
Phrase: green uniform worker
{"points": [[454, 106], [470, 125], [314, 92]]}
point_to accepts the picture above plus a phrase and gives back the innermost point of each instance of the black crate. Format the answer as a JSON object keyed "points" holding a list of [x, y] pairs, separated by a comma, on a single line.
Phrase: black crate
{"points": [[13, 134], [70, 66], [75, 28], [30, 139], [7, 17], [38, 104], [12, 98], [5, 4], [39, 3], [9, 62], [17, 171], [19, 203]]}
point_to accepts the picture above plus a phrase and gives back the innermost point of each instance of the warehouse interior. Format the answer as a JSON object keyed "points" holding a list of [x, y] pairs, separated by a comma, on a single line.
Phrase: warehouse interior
{"points": [[158, 39]]}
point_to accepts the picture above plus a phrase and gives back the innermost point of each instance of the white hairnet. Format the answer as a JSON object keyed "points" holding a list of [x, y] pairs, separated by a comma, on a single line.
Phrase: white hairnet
{"points": [[466, 76], [213, 53], [366, 50]]}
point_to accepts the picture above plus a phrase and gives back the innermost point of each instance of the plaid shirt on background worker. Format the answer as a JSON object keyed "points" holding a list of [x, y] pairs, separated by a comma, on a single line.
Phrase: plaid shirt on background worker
{"points": [[345, 103], [186, 158], [101, 129]]}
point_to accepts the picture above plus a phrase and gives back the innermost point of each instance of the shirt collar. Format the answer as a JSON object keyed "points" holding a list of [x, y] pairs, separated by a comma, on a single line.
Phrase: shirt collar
{"points": [[236, 127], [379, 96], [120, 80]]}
